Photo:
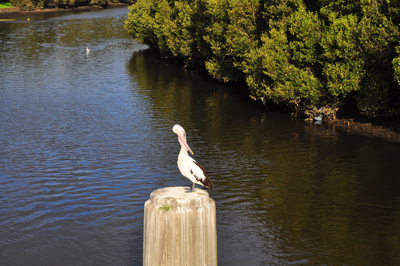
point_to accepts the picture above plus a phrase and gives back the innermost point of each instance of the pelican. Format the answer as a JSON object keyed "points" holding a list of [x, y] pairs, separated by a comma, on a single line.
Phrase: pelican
{"points": [[188, 167], [87, 51]]}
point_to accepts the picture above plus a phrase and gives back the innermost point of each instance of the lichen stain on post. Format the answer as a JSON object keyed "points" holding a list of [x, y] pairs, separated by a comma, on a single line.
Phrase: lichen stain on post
{"points": [[180, 228]]}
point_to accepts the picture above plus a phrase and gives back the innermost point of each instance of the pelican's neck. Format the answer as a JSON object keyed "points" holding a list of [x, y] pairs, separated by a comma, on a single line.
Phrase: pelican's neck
{"points": [[183, 153]]}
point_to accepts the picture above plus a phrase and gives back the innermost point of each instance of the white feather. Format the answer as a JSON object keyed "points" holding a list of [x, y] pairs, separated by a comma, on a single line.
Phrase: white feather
{"points": [[188, 168]]}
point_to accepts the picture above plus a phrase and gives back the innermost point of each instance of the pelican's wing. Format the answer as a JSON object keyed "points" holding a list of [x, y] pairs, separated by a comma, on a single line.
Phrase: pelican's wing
{"points": [[200, 173]]}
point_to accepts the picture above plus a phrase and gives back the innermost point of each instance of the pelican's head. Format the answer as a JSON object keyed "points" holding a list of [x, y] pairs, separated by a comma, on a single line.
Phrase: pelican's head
{"points": [[178, 130]]}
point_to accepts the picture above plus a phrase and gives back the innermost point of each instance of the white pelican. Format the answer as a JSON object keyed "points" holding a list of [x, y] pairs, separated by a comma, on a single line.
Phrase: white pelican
{"points": [[87, 51], [188, 167]]}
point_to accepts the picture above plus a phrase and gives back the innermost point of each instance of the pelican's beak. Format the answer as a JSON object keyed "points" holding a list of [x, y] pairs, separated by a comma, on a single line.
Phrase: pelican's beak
{"points": [[183, 143]]}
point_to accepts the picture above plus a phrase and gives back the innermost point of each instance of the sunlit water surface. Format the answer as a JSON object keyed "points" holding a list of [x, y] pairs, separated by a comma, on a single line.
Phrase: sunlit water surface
{"points": [[84, 139]]}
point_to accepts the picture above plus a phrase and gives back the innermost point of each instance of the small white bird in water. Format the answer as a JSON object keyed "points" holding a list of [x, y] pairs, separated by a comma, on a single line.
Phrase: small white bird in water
{"points": [[87, 51], [188, 167], [318, 118]]}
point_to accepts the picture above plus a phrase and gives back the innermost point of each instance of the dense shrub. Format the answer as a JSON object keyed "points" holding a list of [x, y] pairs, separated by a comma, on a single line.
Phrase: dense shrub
{"points": [[29, 4], [310, 55]]}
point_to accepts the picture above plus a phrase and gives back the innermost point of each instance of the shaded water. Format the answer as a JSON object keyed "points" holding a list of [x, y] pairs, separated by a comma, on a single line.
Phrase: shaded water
{"points": [[85, 139]]}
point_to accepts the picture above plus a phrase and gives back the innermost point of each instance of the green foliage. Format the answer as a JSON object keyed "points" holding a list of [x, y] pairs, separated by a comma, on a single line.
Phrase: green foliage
{"points": [[396, 65], [141, 23], [5, 5], [232, 34], [305, 29], [173, 27], [166, 208], [305, 54], [220, 64], [29, 4], [165, 25], [280, 80]]}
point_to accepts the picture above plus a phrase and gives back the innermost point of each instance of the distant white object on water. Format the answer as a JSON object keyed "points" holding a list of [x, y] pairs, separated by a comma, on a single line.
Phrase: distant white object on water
{"points": [[87, 51], [318, 118], [264, 101]]}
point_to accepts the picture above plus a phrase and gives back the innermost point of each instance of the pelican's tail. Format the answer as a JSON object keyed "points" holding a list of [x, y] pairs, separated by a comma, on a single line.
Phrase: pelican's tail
{"points": [[207, 180], [208, 183]]}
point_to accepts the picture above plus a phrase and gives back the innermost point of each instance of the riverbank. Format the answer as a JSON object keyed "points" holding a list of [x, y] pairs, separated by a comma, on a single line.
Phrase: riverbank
{"points": [[348, 121], [9, 10], [16, 12], [389, 129]]}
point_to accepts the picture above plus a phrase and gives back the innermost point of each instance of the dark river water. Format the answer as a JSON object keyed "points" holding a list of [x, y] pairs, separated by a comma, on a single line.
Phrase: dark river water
{"points": [[84, 140]]}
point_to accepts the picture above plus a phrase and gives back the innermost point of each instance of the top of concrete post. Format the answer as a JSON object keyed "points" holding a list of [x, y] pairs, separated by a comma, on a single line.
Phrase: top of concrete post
{"points": [[178, 197]]}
